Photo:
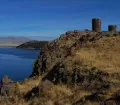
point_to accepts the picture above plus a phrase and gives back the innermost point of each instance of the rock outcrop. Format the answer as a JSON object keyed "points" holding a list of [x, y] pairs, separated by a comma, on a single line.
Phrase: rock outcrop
{"points": [[8, 87]]}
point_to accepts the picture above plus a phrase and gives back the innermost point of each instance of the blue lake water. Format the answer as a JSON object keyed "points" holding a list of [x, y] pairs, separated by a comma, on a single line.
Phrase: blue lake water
{"points": [[17, 63]]}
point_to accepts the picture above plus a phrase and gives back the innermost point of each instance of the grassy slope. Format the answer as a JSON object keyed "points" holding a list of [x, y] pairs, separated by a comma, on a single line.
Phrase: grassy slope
{"points": [[103, 54]]}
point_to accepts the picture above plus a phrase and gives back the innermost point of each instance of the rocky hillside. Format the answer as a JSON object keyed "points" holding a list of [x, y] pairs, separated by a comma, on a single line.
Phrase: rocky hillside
{"points": [[78, 68], [88, 59], [83, 49], [34, 44]]}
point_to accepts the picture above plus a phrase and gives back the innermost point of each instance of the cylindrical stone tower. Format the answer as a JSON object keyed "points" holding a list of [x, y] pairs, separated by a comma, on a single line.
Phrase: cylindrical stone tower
{"points": [[112, 28], [96, 24]]}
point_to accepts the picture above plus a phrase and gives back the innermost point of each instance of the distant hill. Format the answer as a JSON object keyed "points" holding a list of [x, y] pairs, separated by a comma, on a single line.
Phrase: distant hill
{"points": [[34, 44], [13, 41]]}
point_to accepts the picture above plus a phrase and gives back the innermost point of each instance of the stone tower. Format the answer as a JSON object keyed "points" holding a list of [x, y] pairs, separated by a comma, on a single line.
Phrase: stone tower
{"points": [[96, 24], [112, 27]]}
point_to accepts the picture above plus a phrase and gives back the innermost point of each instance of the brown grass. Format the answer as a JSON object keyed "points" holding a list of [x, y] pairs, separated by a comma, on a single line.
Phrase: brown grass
{"points": [[103, 54], [91, 103], [28, 85], [61, 95]]}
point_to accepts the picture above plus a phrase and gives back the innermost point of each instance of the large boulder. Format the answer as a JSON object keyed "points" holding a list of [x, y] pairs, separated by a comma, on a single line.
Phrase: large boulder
{"points": [[45, 87]]}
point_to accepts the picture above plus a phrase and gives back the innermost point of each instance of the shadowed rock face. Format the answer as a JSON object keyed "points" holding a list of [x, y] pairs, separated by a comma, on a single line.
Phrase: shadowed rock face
{"points": [[114, 100]]}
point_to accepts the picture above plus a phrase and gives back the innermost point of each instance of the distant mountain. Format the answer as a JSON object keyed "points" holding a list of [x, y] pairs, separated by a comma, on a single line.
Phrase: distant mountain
{"points": [[42, 38], [13, 41]]}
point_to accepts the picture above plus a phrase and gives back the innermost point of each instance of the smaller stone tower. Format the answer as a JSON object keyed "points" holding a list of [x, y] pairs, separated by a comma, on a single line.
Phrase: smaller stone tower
{"points": [[96, 24], [112, 27]]}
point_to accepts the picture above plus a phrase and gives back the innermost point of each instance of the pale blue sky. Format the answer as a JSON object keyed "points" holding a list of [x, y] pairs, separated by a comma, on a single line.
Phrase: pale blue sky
{"points": [[50, 18]]}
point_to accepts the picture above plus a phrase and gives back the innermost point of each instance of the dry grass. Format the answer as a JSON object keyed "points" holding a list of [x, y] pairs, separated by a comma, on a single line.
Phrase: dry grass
{"points": [[103, 54], [60, 92], [24, 87], [13, 101], [78, 94], [91, 103], [28, 85], [60, 95]]}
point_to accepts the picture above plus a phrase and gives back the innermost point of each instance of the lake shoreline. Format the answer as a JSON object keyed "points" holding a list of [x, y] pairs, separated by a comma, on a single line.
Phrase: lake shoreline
{"points": [[15, 46], [30, 48], [17, 64]]}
